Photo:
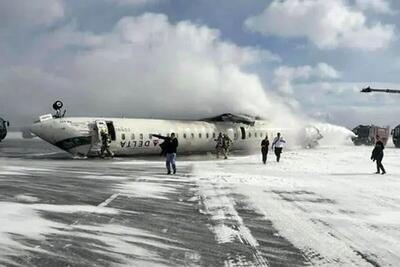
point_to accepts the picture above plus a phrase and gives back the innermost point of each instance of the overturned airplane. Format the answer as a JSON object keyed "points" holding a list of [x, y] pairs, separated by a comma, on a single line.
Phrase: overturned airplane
{"points": [[81, 136]]}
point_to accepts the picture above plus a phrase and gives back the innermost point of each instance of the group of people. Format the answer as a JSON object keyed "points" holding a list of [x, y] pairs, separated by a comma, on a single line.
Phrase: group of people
{"points": [[277, 146], [224, 143]]}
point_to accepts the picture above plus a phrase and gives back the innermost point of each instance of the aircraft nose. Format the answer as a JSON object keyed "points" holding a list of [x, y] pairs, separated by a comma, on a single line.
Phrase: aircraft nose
{"points": [[41, 130], [36, 128]]}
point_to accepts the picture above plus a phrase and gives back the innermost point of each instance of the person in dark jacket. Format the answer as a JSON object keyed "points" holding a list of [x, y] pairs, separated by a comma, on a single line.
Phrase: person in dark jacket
{"points": [[377, 154], [169, 147], [264, 149]]}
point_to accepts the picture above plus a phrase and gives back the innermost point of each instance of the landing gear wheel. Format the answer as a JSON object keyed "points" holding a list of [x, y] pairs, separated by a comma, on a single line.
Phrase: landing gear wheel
{"points": [[58, 105]]}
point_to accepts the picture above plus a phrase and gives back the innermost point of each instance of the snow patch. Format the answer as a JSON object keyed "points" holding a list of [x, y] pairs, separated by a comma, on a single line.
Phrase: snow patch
{"points": [[144, 189], [26, 198]]}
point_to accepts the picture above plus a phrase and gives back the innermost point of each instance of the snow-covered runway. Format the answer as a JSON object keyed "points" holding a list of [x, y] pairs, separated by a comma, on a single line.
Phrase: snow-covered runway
{"points": [[315, 207], [328, 203]]}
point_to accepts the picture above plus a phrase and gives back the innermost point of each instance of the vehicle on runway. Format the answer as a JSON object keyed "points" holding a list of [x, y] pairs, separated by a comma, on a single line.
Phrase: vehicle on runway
{"points": [[366, 134], [81, 136], [396, 136], [3, 128], [396, 130]]}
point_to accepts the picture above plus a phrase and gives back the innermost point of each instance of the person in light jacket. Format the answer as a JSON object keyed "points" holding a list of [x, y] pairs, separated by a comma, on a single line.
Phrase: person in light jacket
{"points": [[278, 145]]}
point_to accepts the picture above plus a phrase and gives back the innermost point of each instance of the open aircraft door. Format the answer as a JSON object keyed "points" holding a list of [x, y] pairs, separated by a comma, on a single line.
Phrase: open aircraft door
{"points": [[100, 126], [242, 133]]}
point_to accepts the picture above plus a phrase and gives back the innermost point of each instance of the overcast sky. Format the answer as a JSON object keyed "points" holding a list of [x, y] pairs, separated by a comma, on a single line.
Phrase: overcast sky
{"points": [[191, 59]]}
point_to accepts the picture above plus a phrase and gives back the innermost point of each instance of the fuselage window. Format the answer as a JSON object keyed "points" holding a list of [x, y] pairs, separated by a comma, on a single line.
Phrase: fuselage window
{"points": [[199, 135], [133, 136], [255, 134], [150, 136], [207, 135], [123, 136], [214, 135], [184, 135], [249, 134], [261, 135], [141, 136], [192, 135]]}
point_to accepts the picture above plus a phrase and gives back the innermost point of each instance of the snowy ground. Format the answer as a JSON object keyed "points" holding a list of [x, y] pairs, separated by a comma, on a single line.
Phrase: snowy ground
{"points": [[316, 207]]}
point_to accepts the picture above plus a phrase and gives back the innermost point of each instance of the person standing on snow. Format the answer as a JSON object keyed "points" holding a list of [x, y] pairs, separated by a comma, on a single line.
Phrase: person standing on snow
{"points": [[278, 145], [219, 144], [377, 154], [169, 147], [226, 145], [264, 148]]}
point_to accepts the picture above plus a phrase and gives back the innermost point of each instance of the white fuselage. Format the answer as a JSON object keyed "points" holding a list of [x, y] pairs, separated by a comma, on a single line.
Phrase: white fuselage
{"points": [[80, 136]]}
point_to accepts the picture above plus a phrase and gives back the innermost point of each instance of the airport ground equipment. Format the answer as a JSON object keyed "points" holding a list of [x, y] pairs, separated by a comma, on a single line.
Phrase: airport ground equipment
{"points": [[366, 134], [378, 90], [395, 131], [396, 136], [3, 128]]}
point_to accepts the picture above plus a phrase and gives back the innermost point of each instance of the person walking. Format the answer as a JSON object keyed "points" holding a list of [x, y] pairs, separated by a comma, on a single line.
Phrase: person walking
{"points": [[226, 145], [220, 144], [264, 149], [105, 145], [278, 145], [169, 148], [377, 155]]}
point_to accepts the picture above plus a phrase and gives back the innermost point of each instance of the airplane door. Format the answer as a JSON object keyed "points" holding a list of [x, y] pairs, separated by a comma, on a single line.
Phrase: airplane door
{"points": [[243, 132], [101, 126]]}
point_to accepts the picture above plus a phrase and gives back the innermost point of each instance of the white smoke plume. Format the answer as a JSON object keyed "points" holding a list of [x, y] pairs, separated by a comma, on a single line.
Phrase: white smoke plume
{"points": [[145, 66]]}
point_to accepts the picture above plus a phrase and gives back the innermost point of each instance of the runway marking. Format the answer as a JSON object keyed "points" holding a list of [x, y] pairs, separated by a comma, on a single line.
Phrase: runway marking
{"points": [[101, 205], [108, 200]]}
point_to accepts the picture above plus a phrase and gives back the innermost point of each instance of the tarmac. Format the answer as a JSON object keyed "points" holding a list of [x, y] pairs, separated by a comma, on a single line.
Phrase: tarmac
{"points": [[60, 211]]}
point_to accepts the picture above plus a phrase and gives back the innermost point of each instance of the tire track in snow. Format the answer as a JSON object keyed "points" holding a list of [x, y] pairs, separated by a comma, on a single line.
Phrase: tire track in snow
{"points": [[229, 228]]}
